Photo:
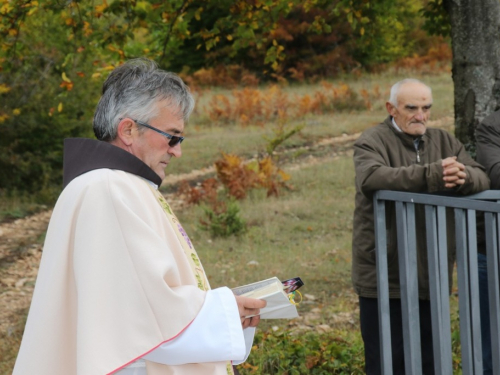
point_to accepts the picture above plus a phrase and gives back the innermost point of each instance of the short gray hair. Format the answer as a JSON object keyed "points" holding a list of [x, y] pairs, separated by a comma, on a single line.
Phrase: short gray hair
{"points": [[133, 90], [393, 99]]}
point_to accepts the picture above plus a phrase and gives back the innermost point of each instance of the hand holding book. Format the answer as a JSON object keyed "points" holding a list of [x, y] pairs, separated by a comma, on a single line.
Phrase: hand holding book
{"points": [[249, 309], [277, 294]]}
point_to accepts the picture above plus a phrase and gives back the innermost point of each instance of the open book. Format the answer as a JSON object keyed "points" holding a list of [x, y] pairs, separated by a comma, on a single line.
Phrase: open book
{"points": [[278, 306]]}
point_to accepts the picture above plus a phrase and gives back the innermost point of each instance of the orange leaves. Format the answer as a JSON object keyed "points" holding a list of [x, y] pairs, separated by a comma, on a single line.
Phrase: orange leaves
{"points": [[271, 177], [66, 83], [248, 366], [3, 117], [70, 22], [257, 106], [237, 177], [87, 29], [52, 110], [206, 192], [240, 177], [4, 88], [250, 106], [435, 60], [222, 75], [6, 7], [99, 9], [120, 52], [220, 107]]}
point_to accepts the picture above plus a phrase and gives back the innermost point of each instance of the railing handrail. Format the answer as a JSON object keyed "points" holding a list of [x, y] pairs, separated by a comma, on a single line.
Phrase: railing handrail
{"points": [[478, 202], [436, 205]]}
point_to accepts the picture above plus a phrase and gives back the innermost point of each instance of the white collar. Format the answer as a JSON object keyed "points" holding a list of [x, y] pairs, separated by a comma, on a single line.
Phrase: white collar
{"points": [[396, 125], [151, 183]]}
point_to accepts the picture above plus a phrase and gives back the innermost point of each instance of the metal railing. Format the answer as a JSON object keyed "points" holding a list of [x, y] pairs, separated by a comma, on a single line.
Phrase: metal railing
{"points": [[435, 207]]}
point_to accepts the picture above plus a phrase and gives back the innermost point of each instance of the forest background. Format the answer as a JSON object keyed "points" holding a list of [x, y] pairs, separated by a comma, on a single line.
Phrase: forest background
{"points": [[282, 90], [55, 55]]}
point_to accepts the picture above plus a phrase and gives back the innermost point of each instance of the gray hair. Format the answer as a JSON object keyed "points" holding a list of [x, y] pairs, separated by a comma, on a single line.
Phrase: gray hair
{"points": [[133, 90], [393, 99]]}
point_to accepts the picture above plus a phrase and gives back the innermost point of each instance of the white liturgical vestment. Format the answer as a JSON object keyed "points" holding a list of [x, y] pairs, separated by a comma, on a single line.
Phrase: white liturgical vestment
{"points": [[120, 290]]}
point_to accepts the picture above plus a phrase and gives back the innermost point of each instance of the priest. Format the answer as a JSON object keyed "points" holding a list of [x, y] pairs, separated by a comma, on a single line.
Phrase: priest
{"points": [[120, 289]]}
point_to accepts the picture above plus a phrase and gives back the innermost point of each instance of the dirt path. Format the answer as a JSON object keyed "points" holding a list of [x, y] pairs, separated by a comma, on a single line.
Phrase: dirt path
{"points": [[21, 240]]}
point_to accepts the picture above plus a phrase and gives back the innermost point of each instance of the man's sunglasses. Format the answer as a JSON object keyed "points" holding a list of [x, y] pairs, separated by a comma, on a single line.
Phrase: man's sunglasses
{"points": [[173, 139]]}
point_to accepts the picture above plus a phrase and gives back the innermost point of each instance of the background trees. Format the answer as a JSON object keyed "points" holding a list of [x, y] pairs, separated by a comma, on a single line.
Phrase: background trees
{"points": [[54, 56]]}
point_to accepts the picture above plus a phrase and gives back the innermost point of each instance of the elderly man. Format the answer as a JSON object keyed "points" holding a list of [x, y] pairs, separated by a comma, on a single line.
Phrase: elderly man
{"points": [[120, 288], [402, 154]]}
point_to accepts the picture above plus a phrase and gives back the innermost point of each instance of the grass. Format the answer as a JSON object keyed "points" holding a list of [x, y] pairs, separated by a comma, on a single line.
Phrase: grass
{"points": [[305, 232], [206, 139], [17, 205], [9, 344]]}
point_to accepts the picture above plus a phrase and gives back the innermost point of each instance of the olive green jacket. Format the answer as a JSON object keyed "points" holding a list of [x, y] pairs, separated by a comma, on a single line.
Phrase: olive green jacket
{"points": [[386, 159]]}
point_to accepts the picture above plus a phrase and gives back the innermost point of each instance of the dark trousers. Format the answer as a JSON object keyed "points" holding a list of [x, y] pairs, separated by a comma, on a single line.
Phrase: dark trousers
{"points": [[368, 310]]}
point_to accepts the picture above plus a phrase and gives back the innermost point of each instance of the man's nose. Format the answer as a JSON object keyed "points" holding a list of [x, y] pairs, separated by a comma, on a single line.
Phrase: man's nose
{"points": [[420, 115], [175, 150]]}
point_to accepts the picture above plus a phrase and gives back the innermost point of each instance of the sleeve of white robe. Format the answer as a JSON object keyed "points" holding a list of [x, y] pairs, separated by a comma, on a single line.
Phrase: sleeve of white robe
{"points": [[214, 335]]}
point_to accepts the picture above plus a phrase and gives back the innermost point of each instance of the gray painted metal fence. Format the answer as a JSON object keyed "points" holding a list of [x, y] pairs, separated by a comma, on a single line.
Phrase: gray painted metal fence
{"points": [[467, 276]]}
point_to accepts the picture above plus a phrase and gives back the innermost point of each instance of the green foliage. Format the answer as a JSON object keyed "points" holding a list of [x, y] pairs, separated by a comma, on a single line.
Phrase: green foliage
{"points": [[384, 29], [15, 205], [281, 134], [223, 220], [437, 21], [45, 99], [55, 55], [282, 352]]}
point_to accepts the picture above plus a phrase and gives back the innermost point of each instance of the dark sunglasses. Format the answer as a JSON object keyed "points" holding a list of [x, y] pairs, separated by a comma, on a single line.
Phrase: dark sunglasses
{"points": [[173, 139]]}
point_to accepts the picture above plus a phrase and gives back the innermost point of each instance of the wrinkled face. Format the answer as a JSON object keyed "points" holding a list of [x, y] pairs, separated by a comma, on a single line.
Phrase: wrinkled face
{"points": [[152, 147], [413, 109]]}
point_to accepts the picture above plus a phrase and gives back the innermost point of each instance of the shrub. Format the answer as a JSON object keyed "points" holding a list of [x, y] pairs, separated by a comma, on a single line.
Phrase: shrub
{"points": [[254, 106], [223, 220], [283, 353], [206, 192], [236, 176]]}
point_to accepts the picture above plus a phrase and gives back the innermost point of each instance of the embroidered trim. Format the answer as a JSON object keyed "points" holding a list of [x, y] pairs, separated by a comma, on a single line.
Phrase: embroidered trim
{"points": [[187, 245]]}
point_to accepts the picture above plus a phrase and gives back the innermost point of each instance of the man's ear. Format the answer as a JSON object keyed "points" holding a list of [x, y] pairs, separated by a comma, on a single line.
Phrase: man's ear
{"points": [[390, 108], [124, 131]]}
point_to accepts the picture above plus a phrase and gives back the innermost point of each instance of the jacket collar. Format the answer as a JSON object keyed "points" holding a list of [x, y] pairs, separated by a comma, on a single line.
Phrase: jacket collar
{"points": [[405, 138], [82, 155]]}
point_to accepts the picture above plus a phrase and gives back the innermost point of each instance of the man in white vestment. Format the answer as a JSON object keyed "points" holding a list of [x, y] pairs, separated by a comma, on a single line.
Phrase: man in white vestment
{"points": [[120, 289]]}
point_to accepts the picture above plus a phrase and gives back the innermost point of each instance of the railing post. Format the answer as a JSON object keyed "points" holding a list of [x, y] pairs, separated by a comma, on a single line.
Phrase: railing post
{"points": [[408, 279], [474, 291], [492, 231], [469, 321], [382, 286], [437, 252]]}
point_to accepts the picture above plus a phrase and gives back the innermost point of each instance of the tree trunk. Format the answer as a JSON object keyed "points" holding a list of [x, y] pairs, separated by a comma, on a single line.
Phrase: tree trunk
{"points": [[475, 41]]}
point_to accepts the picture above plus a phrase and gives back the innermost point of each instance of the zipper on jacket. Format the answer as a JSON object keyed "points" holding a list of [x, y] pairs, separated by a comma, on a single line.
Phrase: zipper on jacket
{"points": [[416, 144]]}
